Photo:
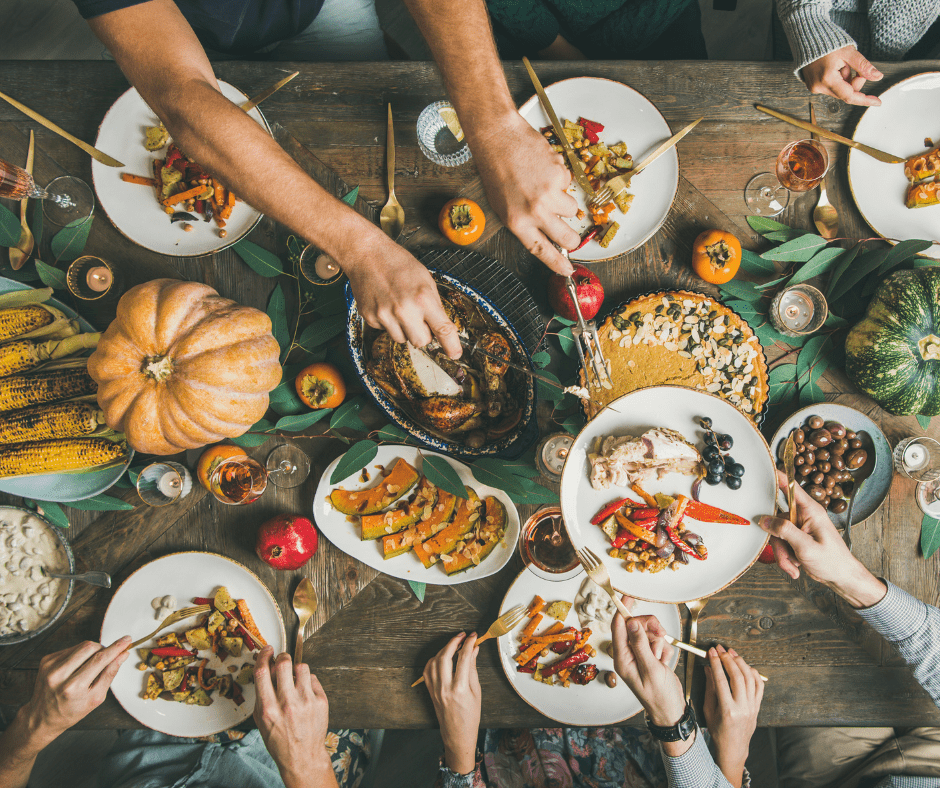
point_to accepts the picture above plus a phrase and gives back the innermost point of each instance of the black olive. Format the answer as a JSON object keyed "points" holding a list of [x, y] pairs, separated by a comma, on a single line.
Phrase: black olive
{"points": [[182, 216], [705, 422], [733, 482], [710, 453]]}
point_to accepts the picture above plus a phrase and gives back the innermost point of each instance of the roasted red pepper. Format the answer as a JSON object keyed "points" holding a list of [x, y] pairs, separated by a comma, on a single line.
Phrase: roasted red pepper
{"points": [[612, 507], [246, 636], [592, 136], [529, 666], [201, 600], [644, 513], [623, 536], [712, 514], [172, 651], [593, 125], [568, 662], [677, 541], [562, 646], [589, 235]]}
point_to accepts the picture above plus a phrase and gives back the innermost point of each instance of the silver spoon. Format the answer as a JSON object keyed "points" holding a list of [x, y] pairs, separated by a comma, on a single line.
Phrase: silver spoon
{"points": [[95, 578]]}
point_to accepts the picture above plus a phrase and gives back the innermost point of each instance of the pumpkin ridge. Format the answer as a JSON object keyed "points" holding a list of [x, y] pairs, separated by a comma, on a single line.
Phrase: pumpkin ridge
{"points": [[222, 330]]}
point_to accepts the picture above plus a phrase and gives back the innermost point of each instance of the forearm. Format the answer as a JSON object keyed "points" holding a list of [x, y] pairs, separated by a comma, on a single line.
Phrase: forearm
{"points": [[20, 744], [860, 588], [319, 775], [732, 767]]}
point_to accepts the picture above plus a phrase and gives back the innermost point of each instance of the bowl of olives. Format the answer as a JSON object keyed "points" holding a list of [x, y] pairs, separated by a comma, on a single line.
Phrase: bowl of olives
{"points": [[828, 451]]}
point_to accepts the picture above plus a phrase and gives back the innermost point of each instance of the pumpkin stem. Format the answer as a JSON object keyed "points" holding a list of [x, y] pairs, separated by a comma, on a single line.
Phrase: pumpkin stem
{"points": [[157, 367], [929, 347]]}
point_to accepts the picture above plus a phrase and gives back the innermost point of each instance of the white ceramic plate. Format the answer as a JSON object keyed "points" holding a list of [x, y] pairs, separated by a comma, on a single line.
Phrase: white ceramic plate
{"points": [[185, 576], [61, 487], [731, 548], [346, 535], [630, 117], [134, 209], [593, 705], [909, 112]]}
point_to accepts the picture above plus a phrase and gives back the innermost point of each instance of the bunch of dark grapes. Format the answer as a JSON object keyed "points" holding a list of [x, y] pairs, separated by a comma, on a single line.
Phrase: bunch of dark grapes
{"points": [[720, 466]]}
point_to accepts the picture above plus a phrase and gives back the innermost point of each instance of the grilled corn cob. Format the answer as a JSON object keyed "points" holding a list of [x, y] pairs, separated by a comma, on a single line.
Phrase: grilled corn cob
{"points": [[21, 320], [25, 354], [20, 459], [61, 420], [21, 391]]}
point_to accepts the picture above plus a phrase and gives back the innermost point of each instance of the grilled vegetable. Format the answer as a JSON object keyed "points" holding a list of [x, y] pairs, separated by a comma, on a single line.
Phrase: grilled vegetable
{"points": [[61, 420], [21, 391], [25, 354], [69, 454]]}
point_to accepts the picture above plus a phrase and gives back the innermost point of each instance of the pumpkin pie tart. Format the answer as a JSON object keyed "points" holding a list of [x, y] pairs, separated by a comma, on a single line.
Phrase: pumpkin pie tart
{"points": [[682, 338]]}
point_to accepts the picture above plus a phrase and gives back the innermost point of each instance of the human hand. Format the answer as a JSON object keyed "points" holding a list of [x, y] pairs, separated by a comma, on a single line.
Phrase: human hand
{"points": [[70, 684], [455, 693], [641, 658], [561, 49], [842, 74], [292, 714], [525, 182], [733, 692], [815, 545], [395, 292]]}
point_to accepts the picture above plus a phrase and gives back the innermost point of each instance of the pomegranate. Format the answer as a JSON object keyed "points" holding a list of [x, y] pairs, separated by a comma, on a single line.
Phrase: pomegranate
{"points": [[587, 286], [287, 541]]}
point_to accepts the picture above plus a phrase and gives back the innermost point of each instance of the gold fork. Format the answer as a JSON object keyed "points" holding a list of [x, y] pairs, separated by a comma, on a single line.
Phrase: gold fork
{"points": [[170, 620], [503, 625], [597, 571]]}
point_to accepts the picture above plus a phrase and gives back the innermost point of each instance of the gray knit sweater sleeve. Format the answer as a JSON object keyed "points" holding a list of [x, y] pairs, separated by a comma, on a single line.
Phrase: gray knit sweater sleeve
{"points": [[810, 30]]}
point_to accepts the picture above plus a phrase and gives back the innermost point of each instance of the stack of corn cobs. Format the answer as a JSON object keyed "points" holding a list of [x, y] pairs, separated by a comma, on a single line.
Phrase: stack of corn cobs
{"points": [[49, 419]]}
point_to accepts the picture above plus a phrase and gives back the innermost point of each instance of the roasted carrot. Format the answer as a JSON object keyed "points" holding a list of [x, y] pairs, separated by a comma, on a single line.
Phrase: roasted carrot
{"points": [[128, 177], [536, 607], [189, 194], [547, 640], [649, 499], [530, 627], [529, 654], [218, 196], [582, 641], [226, 210], [249, 623]]}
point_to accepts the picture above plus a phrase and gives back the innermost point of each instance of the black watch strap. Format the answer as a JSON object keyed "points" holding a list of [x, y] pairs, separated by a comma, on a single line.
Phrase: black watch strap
{"points": [[681, 731]]}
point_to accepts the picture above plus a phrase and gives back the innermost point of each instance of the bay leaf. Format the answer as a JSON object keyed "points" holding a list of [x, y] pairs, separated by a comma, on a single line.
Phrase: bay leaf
{"points": [[442, 474], [258, 259], [354, 460]]}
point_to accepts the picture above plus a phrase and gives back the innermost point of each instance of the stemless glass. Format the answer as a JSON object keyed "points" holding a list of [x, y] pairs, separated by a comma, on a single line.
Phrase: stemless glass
{"points": [[918, 458], [238, 481], [801, 166], [66, 199]]}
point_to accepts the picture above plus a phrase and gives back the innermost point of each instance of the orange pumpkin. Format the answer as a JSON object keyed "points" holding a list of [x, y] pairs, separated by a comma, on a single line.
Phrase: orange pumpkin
{"points": [[716, 256], [211, 457], [462, 221], [181, 367]]}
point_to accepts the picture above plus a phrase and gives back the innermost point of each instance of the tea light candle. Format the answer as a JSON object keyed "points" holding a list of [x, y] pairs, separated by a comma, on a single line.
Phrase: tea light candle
{"points": [[326, 267], [170, 484], [553, 453], [99, 278], [915, 457], [796, 310]]}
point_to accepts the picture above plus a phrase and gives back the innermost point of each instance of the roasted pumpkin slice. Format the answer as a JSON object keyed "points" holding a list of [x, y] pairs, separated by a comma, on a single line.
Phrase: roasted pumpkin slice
{"points": [[396, 485], [465, 518], [441, 515], [921, 195], [376, 525], [488, 533]]}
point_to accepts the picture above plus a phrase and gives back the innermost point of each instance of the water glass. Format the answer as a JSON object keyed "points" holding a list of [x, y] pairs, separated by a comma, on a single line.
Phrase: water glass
{"points": [[436, 140]]}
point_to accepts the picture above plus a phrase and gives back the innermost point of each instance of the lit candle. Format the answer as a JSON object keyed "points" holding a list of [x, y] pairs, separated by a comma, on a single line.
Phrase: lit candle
{"points": [[796, 310], [99, 278], [170, 484], [555, 452], [326, 267], [915, 457]]}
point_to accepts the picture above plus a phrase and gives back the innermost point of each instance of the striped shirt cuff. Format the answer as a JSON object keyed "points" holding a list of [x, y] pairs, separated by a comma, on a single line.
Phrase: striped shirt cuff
{"points": [[811, 33], [897, 616]]}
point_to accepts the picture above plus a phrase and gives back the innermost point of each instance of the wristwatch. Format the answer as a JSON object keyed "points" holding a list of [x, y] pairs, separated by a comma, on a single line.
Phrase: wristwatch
{"points": [[681, 731]]}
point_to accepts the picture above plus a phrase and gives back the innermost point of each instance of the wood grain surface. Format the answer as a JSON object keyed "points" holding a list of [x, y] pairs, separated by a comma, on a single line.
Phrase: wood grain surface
{"points": [[371, 637]]}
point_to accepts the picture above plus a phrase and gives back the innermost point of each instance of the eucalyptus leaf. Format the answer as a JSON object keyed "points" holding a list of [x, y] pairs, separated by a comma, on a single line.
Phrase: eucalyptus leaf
{"points": [[567, 341], [534, 493], [250, 440], [781, 235], [26, 274], [259, 260], [929, 535], [53, 513], [747, 309], [755, 264], [736, 288], [541, 359], [819, 264], [350, 197], [420, 589], [101, 503], [134, 472], [901, 252], [302, 420], [773, 282], [321, 331], [547, 392], [392, 433], [69, 242], [834, 321], [798, 250], [768, 335], [347, 415], [841, 267], [9, 227], [51, 276], [812, 354], [863, 266], [573, 424], [782, 382], [491, 471], [924, 421], [277, 311], [564, 320], [810, 393], [284, 400], [761, 224], [442, 475], [355, 459]]}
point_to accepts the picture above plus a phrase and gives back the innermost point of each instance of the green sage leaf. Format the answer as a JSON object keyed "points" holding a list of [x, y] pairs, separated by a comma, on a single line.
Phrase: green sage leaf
{"points": [[798, 250], [354, 460], [259, 260], [10, 227], [442, 474], [69, 242], [51, 276], [817, 265], [302, 420], [277, 311], [929, 535]]}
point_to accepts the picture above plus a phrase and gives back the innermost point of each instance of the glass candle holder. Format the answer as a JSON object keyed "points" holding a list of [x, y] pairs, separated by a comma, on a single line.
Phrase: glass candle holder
{"points": [[437, 141], [91, 278], [163, 483], [928, 498], [545, 547], [799, 310], [551, 453], [319, 268], [918, 458]]}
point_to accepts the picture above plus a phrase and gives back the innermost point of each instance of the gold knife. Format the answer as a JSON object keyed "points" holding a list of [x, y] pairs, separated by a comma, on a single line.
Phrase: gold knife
{"points": [[789, 464], [96, 154], [254, 101], [673, 140], [577, 168], [888, 158]]}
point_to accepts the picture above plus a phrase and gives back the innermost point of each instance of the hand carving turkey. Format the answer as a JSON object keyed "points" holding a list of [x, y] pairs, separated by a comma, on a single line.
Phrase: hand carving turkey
{"points": [[181, 367]]}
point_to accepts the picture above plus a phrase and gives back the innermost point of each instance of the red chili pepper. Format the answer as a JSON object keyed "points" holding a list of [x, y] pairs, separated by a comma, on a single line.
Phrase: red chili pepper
{"points": [[677, 541], [644, 513], [568, 662], [172, 651], [712, 514], [608, 510], [593, 125], [244, 633], [529, 666], [588, 236], [562, 646]]}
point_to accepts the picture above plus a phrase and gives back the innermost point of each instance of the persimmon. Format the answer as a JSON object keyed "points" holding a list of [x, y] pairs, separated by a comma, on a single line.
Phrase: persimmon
{"points": [[212, 456], [716, 256], [462, 221], [320, 386]]}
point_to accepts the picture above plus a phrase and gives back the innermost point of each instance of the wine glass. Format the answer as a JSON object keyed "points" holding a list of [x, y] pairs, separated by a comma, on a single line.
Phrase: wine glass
{"points": [[66, 199], [801, 166], [546, 548], [287, 465], [238, 481]]}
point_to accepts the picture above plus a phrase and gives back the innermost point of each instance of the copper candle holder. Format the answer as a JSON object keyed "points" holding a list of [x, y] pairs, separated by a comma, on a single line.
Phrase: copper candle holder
{"points": [[91, 278]]}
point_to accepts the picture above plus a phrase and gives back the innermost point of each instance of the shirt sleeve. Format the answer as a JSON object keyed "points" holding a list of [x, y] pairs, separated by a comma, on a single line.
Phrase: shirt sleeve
{"points": [[810, 30], [528, 21], [92, 8], [913, 627], [448, 779], [695, 768]]}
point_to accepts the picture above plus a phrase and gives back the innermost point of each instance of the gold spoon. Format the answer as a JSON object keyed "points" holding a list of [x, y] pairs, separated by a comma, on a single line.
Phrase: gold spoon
{"points": [[20, 253], [305, 605], [392, 218], [825, 216]]}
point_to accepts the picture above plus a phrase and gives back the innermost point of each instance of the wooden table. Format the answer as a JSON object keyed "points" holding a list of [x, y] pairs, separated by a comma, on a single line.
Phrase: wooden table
{"points": [[825, 666]]}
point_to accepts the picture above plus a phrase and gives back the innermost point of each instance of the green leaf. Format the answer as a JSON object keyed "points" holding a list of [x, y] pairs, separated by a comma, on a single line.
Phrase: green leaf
{"points": [[51, 276], [284, 400], [534, 493], [780, 235], [772, 283], [37, 218], [547, 392], [442, 474], [573, 424], [864, 265], [355, 459], [69, 242], [747, 310], [27, 274], [417, 587], [929, 535], [277, 311], [350, 197], [924, 421], [133, 472], [761, 224], [564, 320], [392, 433], [259, 260], [491, 471], [821, 262], [768, 335], [798, 250], [347, 415], [53, 513], [541, 359], [567, 342], [321, 331], [101, 503], [250, 441], [841, 268], [811, 356], [810, 393], [901, 252], [782, 381], [834, 321], [755, 264], [9, 226], [746, 291], [302, 420]]}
